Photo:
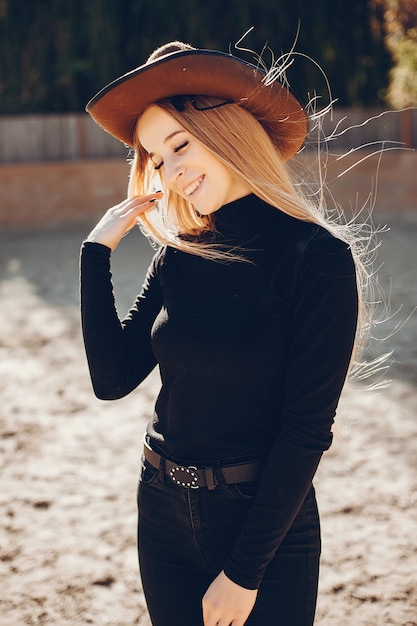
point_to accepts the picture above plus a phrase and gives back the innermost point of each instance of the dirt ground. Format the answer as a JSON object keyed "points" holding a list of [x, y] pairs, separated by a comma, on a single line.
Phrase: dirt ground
{"points": [[69, 462]]}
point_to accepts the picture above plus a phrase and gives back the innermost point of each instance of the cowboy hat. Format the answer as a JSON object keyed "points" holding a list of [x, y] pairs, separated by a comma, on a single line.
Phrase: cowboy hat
{"points": [[177, 69]]}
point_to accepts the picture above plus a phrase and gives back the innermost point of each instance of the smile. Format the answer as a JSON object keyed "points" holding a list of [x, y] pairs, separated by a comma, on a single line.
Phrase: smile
{"points": [[192, 187]]}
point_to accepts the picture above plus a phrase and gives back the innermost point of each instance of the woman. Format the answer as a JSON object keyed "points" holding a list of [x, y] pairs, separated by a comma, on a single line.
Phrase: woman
{"points": [[249, 309]]}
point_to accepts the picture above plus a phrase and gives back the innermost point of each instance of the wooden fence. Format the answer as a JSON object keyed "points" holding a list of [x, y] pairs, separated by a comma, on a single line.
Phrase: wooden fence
{"points": [[69, 137], [72, 137]]}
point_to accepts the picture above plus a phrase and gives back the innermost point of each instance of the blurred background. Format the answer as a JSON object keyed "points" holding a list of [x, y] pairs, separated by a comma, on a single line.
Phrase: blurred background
{"points": [[56, 54], [68, 462]]}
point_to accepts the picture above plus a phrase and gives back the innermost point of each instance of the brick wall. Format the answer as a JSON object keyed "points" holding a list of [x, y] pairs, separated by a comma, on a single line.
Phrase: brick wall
{"points": [[63, 193], [60, 193]]}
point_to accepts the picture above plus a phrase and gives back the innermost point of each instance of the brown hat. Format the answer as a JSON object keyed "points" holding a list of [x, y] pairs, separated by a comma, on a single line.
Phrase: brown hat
{"points": [[177, 69]]}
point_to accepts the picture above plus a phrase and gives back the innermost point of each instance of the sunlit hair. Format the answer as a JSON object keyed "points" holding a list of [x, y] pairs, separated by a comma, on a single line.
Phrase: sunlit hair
{"points": [[241, 143]]}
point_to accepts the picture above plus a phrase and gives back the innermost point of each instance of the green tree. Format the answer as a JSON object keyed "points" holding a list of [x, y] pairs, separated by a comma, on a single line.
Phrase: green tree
{"points": [[57, 53], [401, 38], [48, 50]]}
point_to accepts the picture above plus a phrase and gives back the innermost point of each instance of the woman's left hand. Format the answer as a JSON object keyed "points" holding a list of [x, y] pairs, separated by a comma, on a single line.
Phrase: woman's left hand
{"points": [[227, 604]]}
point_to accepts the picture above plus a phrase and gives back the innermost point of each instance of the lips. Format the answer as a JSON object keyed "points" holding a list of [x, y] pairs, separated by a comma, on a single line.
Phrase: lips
{"points": [[192, 187]]}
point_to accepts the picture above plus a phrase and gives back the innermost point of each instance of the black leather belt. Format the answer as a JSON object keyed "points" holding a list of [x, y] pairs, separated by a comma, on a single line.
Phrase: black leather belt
{"points": [[192, 477]]}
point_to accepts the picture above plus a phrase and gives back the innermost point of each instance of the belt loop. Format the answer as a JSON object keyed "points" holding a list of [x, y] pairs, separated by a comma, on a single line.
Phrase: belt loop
{"points": [[161, 471], [210, 478], [219, 477]]}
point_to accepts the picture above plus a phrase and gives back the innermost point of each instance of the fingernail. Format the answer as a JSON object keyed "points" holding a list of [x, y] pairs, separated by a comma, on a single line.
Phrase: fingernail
{"points": [[152, 200]]}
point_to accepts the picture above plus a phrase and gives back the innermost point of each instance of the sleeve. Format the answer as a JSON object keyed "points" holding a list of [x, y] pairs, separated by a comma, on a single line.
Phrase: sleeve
{"points": [[119, 353], [322, 333]]}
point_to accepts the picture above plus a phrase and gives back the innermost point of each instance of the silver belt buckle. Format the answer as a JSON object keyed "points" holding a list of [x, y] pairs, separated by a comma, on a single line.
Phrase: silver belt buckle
{"points": [[186, 477]]}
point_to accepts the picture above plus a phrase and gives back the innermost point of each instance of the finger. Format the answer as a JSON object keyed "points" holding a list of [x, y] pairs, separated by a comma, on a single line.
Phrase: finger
{"points": [[226, 622], [208, 620], [151, 197], [137, 204], [142, 207], [213, 618]]}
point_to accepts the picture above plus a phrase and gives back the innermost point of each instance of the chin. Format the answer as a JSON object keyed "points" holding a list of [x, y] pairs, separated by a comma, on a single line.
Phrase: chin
{"points": [[207, 210]]}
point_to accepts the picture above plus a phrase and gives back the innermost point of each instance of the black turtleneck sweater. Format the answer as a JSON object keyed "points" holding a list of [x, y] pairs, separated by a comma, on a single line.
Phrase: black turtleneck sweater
{"points": [[253, 356]]}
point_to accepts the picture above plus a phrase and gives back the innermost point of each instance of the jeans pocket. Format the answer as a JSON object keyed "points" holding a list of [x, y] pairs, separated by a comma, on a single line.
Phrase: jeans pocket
{"points": [[148, 472], [245, 490]]}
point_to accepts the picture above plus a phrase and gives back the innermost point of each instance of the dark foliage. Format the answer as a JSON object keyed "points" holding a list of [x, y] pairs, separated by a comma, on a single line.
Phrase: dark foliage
{"points": [[55, 54]]}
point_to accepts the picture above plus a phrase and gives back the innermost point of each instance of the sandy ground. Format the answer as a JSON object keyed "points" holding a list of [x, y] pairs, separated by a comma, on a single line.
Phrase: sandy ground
{"points": [[69, 463]]}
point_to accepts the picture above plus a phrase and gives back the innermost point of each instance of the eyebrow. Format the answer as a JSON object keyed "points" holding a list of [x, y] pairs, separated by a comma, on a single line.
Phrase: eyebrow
{"points": [[170, 136]]}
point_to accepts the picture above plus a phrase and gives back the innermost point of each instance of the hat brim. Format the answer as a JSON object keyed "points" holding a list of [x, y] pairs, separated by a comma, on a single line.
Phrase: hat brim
{"points": [[206, 73]]}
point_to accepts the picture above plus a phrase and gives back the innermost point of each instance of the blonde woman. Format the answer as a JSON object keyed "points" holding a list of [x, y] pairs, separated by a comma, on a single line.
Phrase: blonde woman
{"points": [[249, 309]]}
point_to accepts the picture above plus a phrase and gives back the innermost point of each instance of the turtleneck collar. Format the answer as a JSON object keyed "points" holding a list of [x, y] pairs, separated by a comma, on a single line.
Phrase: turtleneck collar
{"points": [[247, 215]]}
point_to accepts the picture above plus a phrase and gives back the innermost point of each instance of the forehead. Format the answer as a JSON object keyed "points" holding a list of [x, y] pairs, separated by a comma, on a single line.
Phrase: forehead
{"points": [[154, 127]]}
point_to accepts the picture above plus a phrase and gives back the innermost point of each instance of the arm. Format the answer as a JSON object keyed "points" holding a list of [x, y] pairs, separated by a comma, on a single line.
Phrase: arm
{"points": [[119, 353], [321, 337]]}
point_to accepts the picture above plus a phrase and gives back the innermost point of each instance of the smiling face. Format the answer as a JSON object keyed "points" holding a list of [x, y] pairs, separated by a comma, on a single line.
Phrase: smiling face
{"points": [[186, 166]]}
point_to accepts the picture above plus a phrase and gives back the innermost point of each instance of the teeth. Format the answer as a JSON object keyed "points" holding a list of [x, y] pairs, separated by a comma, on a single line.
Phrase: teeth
{"points": [[191, 188]]}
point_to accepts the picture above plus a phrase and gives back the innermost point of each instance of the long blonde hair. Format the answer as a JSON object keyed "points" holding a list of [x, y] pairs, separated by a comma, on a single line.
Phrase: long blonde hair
{"points": [[243, 145]]}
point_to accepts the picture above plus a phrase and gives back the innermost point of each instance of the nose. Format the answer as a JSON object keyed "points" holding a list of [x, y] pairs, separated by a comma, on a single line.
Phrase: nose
{"points": [[173, 170]]}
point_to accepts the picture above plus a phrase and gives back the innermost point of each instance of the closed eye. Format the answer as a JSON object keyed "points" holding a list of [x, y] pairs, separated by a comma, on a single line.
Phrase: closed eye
{"points": [[181, 146], [177, 149]]}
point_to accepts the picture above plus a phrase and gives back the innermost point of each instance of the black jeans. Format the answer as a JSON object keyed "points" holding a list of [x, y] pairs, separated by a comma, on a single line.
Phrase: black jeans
{"points": [[184, 537]]}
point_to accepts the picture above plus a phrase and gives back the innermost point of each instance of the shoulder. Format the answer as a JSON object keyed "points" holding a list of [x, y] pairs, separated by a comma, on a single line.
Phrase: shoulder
{"points": [[329, 255], [313, 244]]}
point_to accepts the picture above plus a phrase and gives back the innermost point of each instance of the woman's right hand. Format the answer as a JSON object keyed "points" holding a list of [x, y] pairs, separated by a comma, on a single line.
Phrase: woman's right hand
{"points": [[120, 219]]}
